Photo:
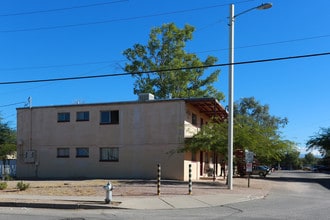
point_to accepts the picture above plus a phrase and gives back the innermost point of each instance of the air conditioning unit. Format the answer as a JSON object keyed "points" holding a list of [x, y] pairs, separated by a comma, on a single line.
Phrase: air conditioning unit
{"points": [[146, 97]]}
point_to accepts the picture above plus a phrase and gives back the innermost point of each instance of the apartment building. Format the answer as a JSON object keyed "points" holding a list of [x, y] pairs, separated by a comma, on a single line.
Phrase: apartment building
{"points": [[112, 140]]}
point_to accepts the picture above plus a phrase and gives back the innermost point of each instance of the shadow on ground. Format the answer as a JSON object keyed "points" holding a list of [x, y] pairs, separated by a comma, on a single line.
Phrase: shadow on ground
{"points": [[325, 182]]}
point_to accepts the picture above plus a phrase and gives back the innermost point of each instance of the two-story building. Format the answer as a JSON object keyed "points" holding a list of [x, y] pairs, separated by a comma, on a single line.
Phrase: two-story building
{"points": [[113, 140]]}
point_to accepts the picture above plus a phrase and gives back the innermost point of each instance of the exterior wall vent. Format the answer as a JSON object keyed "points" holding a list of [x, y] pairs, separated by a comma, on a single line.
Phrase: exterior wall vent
{"points": [[146, 97]]}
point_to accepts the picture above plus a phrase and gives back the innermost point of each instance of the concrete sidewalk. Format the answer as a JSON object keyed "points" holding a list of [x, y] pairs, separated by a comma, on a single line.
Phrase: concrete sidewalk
{"points": [[123, 202], [131, 194]]}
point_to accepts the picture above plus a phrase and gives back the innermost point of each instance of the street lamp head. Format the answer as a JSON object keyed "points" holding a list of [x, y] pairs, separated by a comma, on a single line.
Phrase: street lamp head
{"points": [[264, 6]]}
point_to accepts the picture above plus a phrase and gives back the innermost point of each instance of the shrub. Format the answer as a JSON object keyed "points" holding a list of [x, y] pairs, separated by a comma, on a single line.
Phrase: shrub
{"points": [[8, 177], [22, 186], [3, 185]]}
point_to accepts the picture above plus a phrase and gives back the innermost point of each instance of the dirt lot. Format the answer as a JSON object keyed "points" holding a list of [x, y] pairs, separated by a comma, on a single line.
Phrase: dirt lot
{"points": [[258, 186]]}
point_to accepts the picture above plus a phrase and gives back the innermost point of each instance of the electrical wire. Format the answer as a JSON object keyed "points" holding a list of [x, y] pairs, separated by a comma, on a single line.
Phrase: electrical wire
{"points": [[269, 43], [111, 20], [78, 7], [60, 65], [17, 103], [199, 52], [61, 9], [164, 70]]}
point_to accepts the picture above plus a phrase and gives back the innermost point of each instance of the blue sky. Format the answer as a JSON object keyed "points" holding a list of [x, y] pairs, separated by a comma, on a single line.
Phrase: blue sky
{"points": [[63, 39]]}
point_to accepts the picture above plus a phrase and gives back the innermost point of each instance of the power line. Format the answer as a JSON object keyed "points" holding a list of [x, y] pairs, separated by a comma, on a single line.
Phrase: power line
{"points": [[269, 43], [59, 65], [111, 20], [77, 7], [284, 41], [61, 9], [206, 51], [17, 103], [164, 70]]}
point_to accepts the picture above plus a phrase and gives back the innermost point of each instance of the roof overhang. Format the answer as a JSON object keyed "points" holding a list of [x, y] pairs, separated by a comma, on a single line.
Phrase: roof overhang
{"points": [[210, 107]]}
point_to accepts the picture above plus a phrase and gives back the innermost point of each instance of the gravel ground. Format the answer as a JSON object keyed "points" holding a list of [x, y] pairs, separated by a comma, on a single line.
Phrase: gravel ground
{"points": [[258, 187]]}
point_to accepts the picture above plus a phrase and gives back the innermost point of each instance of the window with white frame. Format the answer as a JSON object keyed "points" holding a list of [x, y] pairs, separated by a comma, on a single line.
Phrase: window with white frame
{"points": [[109, 154]]}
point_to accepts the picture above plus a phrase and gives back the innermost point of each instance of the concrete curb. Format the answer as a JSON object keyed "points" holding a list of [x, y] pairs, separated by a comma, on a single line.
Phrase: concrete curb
{"points": [[47, 205], [139, 203]]}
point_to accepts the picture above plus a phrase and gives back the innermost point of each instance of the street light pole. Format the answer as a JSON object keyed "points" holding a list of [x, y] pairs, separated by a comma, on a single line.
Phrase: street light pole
{"points": [[232, 17], [231, 98]]}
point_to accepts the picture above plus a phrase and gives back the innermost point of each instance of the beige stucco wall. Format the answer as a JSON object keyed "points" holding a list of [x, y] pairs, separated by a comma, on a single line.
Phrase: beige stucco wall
{"points": [[145, 135], [148, 133]]}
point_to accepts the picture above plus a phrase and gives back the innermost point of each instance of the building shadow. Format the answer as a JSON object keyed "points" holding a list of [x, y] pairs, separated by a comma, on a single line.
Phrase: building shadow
{"points": [[325, 182]]}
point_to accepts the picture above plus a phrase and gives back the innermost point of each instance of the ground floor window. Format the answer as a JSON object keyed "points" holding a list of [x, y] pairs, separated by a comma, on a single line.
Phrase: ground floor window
{"points": [[109, 154], [63, 152]]}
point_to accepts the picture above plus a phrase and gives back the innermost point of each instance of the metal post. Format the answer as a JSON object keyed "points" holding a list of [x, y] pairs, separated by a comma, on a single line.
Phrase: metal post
{"points": [[214, 167], [158, 179], [231, 23], [231, 98], [190, 183]]}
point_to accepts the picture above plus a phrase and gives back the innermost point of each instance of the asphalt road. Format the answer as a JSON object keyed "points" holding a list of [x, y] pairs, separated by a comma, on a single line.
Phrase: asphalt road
{"points": [[295, 195], [298, 195]]}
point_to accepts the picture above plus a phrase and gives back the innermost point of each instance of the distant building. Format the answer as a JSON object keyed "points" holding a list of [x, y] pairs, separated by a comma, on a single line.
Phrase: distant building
{"points": [[113, 140]]}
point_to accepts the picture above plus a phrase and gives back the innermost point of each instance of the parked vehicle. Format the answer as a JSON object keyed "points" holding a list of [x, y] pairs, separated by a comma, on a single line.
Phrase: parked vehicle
{"points": [[268, 169], [262, 171], [320, 168]]}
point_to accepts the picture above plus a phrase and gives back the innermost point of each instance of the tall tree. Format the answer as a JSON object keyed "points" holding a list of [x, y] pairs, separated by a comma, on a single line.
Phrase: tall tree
{"points": [[165, 51], [320, 142], [211, 138], [258, 131], [259, 113], [310, 159], [291, 160], [254, 130]]}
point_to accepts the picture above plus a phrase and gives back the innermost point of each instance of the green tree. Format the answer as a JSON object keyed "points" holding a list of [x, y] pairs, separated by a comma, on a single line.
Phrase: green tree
{"points": [[258, 131], [254, 130], [7, 141], [291, 160], [320, 142], [310, 159], [211, 138], [165, 51], [259, 113]]}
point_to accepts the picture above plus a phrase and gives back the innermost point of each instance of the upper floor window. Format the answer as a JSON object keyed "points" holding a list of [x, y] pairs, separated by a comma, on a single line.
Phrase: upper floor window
{"points": [[109, 117], [82, 152], [63, 117], [194, 119], [82, 116]]}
